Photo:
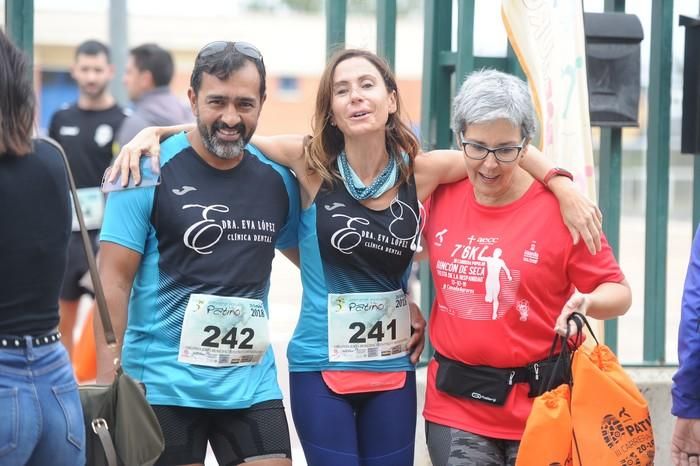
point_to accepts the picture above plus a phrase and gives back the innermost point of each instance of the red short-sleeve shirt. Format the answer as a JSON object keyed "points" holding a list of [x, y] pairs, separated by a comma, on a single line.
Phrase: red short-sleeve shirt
{"points": [[502, 275]]}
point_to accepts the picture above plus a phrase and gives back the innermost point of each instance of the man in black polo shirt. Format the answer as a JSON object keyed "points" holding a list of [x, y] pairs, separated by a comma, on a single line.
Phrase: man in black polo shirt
{"points": [[86, 130]]}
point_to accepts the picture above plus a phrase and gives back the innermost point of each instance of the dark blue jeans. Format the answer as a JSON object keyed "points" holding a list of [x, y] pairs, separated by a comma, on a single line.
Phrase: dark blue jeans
{"points": [[42, 420]]}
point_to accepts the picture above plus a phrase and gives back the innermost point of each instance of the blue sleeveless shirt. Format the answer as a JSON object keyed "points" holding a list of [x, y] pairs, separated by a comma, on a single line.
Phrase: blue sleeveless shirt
{"points": [[346, 247]]}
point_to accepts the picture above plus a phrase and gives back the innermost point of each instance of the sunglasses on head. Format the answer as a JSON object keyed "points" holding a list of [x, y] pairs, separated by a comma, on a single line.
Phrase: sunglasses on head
{"points": [[245, 48]]}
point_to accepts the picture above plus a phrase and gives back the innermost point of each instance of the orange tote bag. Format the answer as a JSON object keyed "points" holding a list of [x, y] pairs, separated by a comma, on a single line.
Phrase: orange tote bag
{"points": [[610, 416], [548, 432]]}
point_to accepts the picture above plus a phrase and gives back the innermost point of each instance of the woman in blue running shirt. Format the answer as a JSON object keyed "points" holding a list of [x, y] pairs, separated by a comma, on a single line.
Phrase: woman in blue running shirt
{"points": [[362, 181]]}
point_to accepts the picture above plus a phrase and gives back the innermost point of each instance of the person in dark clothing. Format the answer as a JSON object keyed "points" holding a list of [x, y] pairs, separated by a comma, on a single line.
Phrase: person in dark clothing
{"points": [[86, 131], [42, 416]]}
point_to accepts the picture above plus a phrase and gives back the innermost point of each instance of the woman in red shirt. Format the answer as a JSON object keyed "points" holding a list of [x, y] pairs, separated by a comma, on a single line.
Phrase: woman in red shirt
{"points": [[506, 273]]}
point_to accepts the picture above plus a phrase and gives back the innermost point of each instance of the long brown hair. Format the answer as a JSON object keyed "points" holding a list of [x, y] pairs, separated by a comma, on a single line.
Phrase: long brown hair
{"points": [[16, 100], [327, 141]]}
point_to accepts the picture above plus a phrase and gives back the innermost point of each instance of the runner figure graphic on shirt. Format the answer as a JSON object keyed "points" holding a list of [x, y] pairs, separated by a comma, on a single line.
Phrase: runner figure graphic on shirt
{"points": [[494, 265]]}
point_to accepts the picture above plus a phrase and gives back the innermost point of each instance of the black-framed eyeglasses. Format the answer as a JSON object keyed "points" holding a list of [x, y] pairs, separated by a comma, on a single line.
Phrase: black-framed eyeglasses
{"points": [[218, 46], [505, 154]]}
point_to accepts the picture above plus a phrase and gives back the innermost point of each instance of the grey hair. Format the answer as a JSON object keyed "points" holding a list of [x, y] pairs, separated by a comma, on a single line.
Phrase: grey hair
{"points": [[490, 95]]}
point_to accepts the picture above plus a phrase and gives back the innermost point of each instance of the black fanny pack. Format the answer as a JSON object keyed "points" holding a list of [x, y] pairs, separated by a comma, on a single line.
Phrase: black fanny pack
{"points": [[492, 384]]}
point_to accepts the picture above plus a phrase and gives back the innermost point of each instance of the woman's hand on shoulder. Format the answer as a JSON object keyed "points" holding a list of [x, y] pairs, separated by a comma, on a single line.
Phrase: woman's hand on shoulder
{"points": [[581, 216], [127, 163]]}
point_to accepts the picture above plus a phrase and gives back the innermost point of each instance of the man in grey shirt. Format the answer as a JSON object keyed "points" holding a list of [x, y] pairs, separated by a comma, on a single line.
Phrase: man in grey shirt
{"points": [[149, 71]]}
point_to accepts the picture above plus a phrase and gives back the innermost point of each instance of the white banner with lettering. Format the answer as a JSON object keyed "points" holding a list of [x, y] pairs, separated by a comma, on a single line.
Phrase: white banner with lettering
{"points": [[548, 39]]}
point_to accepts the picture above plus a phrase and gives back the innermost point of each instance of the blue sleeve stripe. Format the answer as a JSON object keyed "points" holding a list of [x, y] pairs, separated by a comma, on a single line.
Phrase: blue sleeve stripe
{"points": [[173, 146], [127, 218]]}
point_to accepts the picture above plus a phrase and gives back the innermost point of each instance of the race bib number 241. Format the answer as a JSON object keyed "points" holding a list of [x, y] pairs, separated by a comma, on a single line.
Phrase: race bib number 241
{"points": [[368, 326]]}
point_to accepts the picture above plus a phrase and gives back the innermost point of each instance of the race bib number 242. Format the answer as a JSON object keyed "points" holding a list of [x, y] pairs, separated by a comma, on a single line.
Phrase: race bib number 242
{"points": [[220, 331]]}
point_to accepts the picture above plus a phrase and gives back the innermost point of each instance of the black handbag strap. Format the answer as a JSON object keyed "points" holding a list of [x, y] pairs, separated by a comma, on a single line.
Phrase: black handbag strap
{"points": [[581, 320], [562, 364], [110, 337]]}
